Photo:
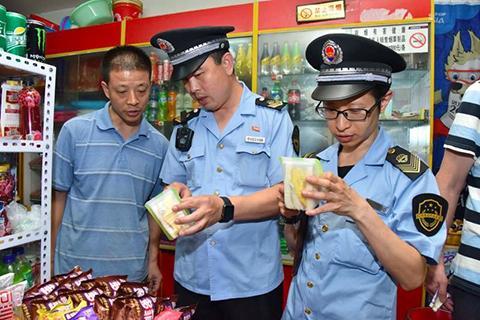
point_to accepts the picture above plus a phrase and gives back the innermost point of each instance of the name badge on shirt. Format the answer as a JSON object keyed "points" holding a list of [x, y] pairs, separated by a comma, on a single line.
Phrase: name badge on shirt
{"points": [[253, 139]]}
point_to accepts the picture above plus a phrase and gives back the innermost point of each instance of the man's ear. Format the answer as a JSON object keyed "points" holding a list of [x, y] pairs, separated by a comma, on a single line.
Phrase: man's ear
{"points": [[228, 62], [385, 100], [105, 89]]}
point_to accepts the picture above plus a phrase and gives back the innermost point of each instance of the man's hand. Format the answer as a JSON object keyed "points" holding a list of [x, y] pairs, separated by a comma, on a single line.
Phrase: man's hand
{"points": [[154, 278], [288, 213], [437, 280], [181, 188], [208, 211]]}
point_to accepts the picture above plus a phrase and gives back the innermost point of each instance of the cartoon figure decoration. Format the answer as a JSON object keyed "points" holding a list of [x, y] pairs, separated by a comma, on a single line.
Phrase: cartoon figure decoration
{"points": [[457, 64]]}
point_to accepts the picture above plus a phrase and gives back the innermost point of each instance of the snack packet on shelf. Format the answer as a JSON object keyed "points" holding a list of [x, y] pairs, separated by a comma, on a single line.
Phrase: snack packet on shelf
{"points": [[160, 207], [295, 171]]}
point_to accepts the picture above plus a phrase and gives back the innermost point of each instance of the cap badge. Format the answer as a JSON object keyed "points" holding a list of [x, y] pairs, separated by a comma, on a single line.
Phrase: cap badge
{"points": [[165, 45], [332, 53]]}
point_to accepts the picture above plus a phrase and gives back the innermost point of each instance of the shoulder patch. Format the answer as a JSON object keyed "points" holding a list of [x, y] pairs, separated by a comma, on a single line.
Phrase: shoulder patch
{"points": [[270, 103], [185, 117], [296, 140], [429, 212], [409, 163]]}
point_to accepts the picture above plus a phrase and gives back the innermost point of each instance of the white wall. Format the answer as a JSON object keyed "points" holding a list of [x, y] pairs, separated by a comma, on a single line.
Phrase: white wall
{"points": [[158, 7]]}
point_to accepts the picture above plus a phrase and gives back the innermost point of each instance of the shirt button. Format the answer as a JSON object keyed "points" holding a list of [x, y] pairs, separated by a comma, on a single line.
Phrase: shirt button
{"points": [[220, 145], [189, 156], [317, 256], [213, 243], [216, 193], [325, 228], [219, 169], [310, 284], [308, 311]]}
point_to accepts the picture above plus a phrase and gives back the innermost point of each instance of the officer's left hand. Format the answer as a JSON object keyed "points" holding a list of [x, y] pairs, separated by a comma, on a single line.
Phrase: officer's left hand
{"points": [[335, 196], [208, 211]]}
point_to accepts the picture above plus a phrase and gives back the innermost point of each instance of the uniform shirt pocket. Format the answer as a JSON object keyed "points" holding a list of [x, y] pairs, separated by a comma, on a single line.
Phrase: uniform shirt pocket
{"points": [[194, 163], [253, 162]]}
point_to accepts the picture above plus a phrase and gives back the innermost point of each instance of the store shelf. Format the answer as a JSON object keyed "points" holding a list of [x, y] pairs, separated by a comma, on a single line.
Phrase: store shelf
{"points": [[23, 146], [21, 238]]}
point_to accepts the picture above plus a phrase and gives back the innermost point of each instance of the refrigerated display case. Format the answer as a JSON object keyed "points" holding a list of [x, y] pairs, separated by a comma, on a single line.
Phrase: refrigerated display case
{"points": [[284, 74]]}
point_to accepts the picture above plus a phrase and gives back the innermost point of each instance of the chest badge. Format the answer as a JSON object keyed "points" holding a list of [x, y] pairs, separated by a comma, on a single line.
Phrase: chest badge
{"points": [[253, 139]]}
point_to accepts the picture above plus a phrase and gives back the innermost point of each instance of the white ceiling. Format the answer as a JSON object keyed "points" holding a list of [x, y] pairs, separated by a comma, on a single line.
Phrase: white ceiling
{"points": [[38, 6]]}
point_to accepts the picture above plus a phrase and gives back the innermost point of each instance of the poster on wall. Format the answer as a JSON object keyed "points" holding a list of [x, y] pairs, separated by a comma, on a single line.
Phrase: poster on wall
{"points": [[457, 63]]}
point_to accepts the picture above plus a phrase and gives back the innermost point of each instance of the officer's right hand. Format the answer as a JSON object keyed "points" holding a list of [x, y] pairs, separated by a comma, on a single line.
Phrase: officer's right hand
{"points": [[181, 188], [207, 211]]}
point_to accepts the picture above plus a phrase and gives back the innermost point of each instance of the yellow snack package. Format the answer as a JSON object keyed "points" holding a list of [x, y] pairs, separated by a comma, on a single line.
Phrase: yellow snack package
{"points": [[160, 207], [295, 171]]}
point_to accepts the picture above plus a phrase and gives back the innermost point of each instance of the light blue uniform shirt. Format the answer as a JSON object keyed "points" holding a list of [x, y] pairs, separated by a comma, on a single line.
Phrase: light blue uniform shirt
{"points": [[236, 259], [464, 137], [339, 276], [108, 181]]}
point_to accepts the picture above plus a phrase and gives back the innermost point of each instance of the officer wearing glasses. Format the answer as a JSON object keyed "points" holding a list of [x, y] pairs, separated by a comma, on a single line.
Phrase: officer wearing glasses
{"points": [[380, 218]]}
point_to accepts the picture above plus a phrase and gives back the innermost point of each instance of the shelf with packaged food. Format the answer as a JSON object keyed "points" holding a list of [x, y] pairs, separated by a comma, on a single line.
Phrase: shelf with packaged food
{"points": [[23, 69]]}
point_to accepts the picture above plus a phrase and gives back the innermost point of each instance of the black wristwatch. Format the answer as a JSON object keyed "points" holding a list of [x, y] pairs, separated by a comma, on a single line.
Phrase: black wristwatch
{"points": [[228, 209]]}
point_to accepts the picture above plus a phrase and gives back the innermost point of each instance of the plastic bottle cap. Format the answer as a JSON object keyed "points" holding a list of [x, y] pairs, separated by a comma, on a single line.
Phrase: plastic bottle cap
{"points": [[9, 258]]}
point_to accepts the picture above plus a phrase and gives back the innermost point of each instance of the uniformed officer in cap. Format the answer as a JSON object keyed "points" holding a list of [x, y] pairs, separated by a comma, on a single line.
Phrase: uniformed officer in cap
{"points": [[380, 218], [228, 260]]}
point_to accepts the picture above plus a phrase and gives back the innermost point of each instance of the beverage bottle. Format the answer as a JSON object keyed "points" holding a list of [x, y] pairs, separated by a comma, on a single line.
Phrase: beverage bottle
{"points": [[195, 104], [152, 107], [22, 266], [9, 266], [239, 61], [265, 61], [264, 92], [297, 59], [154, 61], [294, 98], [248, 61], [187, 102], [277, 93], [275, 60], [285, 59], [179, 106], [29, 100], [162, 114], [171, 102]]}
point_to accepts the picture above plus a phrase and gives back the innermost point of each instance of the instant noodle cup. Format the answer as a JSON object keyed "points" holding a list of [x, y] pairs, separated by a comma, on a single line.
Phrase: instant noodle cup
{"points": [[160, 207], [296, 170], [127, 9]]}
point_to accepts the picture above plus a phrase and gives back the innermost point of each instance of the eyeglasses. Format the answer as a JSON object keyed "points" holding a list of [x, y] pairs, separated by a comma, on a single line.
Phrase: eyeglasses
{"points": [[352, 114]]}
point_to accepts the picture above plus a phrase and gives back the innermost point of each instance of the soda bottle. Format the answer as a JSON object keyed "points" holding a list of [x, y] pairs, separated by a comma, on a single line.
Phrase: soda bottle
{"points": [[248, 61], [265, 61], [285, 59], [293, 101], [9, 266], [30, 122], [154, 61], [264, 92], [162, 114], [152, 107], [277, 93], [240, 61], [171, 102], [187, 102], [179, 107], [297, 59], [22, 266], [275, 60]]}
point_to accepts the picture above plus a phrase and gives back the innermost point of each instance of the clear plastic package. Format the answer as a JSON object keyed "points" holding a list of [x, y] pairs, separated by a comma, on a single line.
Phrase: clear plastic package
{"points": [[295, 171], [160, 207]]}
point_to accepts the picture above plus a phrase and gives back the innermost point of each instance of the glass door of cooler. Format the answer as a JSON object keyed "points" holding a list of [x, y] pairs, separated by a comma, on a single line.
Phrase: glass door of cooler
{"points": [[283, 73]]}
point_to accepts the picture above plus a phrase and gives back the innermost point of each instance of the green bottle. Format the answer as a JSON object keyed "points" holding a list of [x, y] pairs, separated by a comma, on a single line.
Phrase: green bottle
{"points": [[16, 34], [9, 267], [22, 266], [3, 26]]}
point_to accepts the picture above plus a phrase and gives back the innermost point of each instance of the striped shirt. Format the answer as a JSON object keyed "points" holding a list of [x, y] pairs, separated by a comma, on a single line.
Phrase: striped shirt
{"points": [[464, 137], [107, 180]]}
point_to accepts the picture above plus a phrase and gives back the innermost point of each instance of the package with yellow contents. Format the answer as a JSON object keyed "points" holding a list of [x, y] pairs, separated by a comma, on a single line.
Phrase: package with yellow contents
{"points": [[160, 207], [295, 171]]}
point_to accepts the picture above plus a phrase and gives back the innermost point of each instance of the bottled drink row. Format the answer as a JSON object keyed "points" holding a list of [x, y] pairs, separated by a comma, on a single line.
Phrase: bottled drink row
{"points": [[275, 63]]}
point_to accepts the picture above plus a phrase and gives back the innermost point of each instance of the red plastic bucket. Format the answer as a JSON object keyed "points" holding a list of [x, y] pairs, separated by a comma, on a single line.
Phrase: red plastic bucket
{"points": [[127, 9], [428, 314]]}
